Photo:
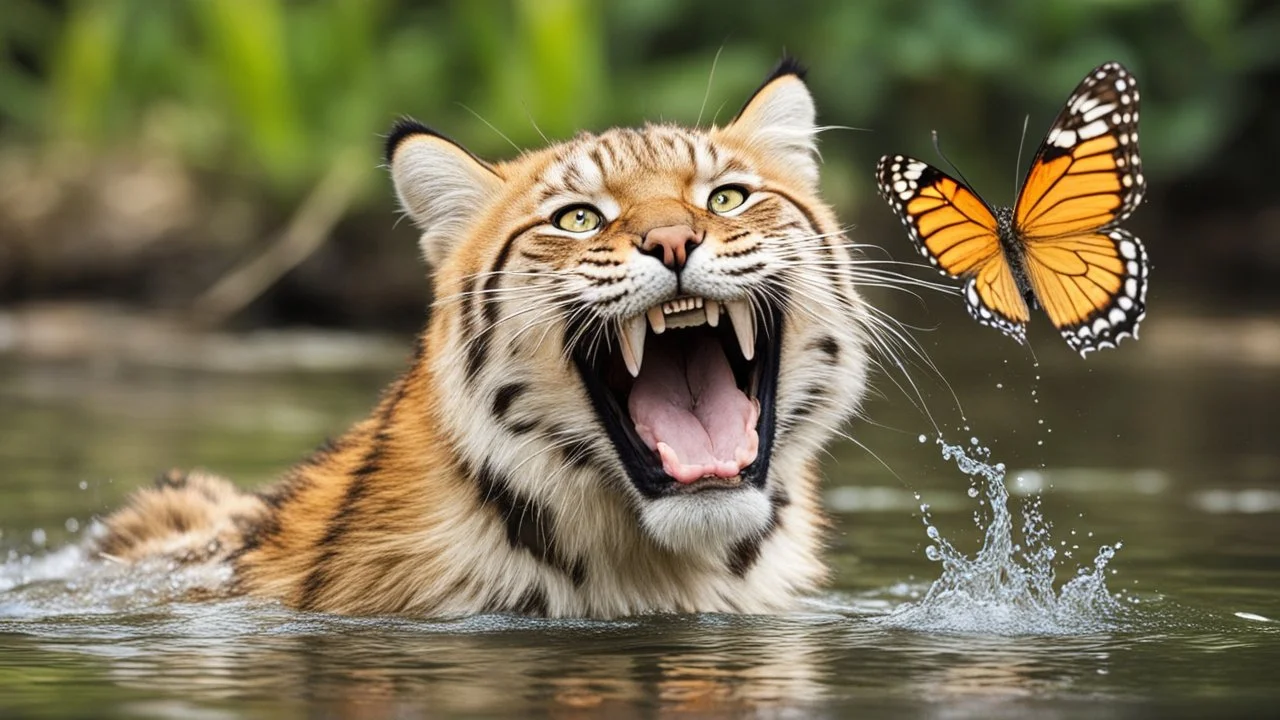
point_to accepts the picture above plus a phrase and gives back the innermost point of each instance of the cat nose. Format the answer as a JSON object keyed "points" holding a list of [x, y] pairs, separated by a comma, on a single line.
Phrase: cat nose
{"points": [[671, 244]]}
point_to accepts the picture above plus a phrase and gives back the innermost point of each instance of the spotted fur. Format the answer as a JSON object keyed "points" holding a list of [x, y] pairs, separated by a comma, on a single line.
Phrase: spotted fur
{"points": [[484, 481]]}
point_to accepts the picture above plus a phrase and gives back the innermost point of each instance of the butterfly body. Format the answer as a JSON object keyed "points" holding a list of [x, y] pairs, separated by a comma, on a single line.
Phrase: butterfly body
{"points": [[1059, 246]]}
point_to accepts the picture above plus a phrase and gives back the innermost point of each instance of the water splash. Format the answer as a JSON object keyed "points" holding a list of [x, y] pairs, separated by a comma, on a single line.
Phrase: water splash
{"points": [[1007, 588], [76, 580]]}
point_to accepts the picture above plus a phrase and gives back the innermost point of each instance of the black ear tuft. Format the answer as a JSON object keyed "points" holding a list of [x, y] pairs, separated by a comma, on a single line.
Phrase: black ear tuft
{"points": [[788, 65], [404, 127]]}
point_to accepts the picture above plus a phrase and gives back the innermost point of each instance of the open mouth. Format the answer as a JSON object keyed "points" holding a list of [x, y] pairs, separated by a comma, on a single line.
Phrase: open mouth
{"points": [[686, 392]]}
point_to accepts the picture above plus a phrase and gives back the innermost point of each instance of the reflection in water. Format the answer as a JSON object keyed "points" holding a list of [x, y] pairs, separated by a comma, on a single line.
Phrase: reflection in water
{"points": [[838, 652], [249, 649]]}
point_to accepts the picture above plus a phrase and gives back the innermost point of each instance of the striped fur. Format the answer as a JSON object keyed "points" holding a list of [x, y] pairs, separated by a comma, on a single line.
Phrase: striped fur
{"points": [[484, 481]]}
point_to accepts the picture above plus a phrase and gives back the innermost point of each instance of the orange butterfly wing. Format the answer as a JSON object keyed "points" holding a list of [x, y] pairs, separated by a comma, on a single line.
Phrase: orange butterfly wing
{"points": [[959, 234], [1089, 275]]}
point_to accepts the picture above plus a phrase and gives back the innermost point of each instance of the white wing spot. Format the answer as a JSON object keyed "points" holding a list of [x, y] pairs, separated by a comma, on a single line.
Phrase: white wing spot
{"points": [[1065, 139], [1098, 112], [1128, 250], [1125, 302], [1130, 288], [1121, 85], [1116, 316], [1093, 129]]}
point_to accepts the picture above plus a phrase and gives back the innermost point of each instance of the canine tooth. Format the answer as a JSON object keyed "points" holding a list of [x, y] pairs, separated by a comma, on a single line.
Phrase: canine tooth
{"points": [[656, 319], [744, 326], [713, 313], [632, 341]]}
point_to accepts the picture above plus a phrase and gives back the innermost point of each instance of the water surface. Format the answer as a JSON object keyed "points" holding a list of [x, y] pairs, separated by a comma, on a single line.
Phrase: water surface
{"points": [[1173, 462]]}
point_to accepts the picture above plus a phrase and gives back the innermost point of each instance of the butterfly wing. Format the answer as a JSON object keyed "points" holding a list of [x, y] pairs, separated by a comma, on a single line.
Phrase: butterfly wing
{"points": [[959, 234], [1089, 275], [1092, 286], [1087, 173]]}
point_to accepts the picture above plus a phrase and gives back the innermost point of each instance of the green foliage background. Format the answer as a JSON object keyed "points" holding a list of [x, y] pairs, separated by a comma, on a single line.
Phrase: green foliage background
{"points": [[264, 97]]}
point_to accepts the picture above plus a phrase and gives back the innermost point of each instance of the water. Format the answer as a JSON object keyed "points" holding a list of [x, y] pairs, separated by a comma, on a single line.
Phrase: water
{"points": [[1174, 467], [1008, 586]]}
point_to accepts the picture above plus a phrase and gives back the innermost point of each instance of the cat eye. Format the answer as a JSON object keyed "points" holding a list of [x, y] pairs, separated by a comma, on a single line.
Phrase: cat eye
{"points": [[577, 218], [726, 198]]}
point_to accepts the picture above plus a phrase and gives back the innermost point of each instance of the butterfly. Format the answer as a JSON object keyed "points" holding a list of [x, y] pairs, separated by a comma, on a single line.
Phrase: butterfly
{"points": [[1059, 246]]}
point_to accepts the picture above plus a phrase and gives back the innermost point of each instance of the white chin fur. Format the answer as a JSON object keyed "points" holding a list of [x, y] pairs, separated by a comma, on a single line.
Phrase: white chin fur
{"points": [[706, 523]]}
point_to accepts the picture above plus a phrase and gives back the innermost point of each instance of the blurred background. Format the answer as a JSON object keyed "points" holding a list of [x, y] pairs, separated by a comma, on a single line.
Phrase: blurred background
{"points": [[193, 212], [149, 150]]}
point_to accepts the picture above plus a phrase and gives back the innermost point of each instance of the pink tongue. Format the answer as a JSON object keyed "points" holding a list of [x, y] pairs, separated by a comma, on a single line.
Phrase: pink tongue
{"points": [[686, 406]]}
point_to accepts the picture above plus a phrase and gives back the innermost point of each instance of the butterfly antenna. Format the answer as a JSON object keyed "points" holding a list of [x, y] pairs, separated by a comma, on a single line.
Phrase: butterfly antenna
{"points": [[937, 147], [1017, 169]]}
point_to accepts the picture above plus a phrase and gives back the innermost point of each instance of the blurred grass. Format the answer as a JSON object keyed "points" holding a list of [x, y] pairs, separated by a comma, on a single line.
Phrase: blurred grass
{"points": [[262, 98], [280, 88]]}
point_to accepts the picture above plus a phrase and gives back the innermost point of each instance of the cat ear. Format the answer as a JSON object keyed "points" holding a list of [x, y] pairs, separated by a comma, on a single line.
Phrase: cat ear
{"points": [[439, 184], [779, 121]]}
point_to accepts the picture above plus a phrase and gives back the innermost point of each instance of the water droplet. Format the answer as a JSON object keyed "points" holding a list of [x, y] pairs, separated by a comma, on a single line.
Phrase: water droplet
{"points": [[973, 492], [999, 386], [84, 484], [1039, 442], [932, 553], [923, 438], [38, 537], [973, 441], [932, 532], [72, 525]]}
